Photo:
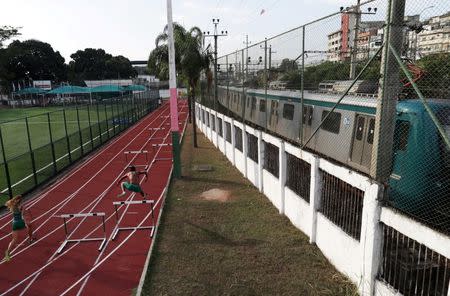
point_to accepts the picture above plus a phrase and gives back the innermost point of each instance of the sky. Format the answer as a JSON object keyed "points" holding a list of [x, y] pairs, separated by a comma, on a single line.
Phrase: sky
{"points": [[129, 28]]}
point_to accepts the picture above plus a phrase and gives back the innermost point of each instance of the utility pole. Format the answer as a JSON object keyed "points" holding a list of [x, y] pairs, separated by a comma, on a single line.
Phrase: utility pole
{"points": [[270, 56], [354, 50], [246, 42], [173, 96], [388, 93], [215, 35]]}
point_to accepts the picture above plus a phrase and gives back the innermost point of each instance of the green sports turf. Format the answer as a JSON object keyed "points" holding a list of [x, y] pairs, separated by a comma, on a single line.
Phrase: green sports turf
{"points": [[79, 137]]}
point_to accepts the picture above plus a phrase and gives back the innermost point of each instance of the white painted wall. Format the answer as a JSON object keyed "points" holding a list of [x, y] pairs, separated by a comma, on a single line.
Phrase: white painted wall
{"points": [[359, 260]]}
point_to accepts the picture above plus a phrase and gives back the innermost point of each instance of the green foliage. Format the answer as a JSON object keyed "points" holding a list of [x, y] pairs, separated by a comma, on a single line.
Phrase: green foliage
{"points": [[190, 60], [436, 80], [7, 32], [289, 72], [96, 64], [30, 59]]}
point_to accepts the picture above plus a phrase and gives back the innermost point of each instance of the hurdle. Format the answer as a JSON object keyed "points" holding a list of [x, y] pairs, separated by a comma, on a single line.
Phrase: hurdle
{"points": [[136, 152], [134, 202], [156, 128], [79, 240], [145, 166]]}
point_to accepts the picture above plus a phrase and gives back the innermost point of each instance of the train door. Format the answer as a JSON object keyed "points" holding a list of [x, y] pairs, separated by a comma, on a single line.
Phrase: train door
{"points": [[363, 140], [307, 122]]}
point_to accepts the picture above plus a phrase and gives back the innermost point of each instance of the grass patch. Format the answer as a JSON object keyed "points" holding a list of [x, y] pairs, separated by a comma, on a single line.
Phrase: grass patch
{"points": [[68, 135], [238, 247]]}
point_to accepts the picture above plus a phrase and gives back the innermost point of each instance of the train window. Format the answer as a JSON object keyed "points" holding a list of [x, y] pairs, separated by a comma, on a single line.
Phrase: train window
{"points": [[288, 111], [262, 105], [402, 135], [371, 131], [213, 122], [333, 122], [253, 103], [360, 127]]}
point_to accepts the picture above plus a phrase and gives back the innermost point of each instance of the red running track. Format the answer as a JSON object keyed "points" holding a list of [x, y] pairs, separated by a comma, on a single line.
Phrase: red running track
{"points": [[81, 269]]}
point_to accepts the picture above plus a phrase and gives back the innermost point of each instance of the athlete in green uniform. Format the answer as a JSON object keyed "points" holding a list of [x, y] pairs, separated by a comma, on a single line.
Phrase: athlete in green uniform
{"points": [[133, 182], [18, 223]]}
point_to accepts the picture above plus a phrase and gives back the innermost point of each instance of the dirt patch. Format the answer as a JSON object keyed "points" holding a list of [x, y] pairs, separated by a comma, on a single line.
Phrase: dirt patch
{"points": [[216, 195]]}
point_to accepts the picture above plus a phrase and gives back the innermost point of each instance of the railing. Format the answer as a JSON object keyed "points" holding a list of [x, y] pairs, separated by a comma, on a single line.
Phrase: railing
{"points": [[36, 148], [383, 252]]}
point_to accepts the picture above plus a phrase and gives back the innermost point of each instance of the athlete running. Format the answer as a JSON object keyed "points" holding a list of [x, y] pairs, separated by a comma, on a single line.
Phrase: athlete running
{"points": [[133, 182], [18, 223]]}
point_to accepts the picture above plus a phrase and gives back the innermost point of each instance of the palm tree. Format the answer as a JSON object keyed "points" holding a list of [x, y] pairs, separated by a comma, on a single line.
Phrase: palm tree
{"points": [[190, 61]]}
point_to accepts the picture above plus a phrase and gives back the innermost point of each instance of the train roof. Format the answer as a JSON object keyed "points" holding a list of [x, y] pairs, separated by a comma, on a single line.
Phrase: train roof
{"points": [[290, 95], [365, 104]]}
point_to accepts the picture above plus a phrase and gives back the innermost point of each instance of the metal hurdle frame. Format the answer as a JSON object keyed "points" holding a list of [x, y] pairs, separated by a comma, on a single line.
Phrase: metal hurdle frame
{"points": [[161, 145], [156, 128], [79, 240], [136, 152], [134, 202]]}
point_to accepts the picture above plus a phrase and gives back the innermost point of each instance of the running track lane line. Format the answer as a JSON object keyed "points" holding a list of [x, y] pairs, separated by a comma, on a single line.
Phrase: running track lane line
{"points": [[65, 202], [70, 248], [152, 244], [76, 170], [33, 201], [156, 226], [121, 243], [99, 199], [121, 217]]}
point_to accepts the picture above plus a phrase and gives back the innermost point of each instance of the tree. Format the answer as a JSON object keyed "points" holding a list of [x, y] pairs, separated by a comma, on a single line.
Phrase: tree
{"points": [[436, 80], [7, 32], [96, 64], [190, 60], [30, 59]]}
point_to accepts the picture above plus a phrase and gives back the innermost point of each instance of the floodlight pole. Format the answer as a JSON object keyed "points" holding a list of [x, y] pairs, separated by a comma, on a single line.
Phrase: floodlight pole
{"points": [[173, 96]]}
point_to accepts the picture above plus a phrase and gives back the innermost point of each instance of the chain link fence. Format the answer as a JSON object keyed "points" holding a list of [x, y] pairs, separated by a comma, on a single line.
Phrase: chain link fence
{"points": [[321, 87], [368, 88], [34, 149]]}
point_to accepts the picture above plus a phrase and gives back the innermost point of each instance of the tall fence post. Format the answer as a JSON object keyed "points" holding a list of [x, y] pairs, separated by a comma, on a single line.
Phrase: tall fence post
{"points": [[266, 81], [388, 93], [112, 117], [98, 124], [52, 145], [8, 177], [90, 126], [302, 87], [79, 131], [106, 120], [30, 149], [67, 136], [315, 196]]}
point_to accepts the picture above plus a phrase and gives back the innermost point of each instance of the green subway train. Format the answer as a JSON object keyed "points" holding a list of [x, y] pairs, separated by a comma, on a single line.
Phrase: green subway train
{"points": [[419, 180]]}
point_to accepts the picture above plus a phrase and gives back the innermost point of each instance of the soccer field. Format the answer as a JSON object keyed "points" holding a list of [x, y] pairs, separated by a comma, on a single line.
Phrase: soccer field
{"points": [[39, 142]]}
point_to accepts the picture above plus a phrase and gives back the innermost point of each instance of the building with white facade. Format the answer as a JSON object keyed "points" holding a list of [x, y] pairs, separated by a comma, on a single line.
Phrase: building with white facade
{"points": [[334, 46], [435, 37]]}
